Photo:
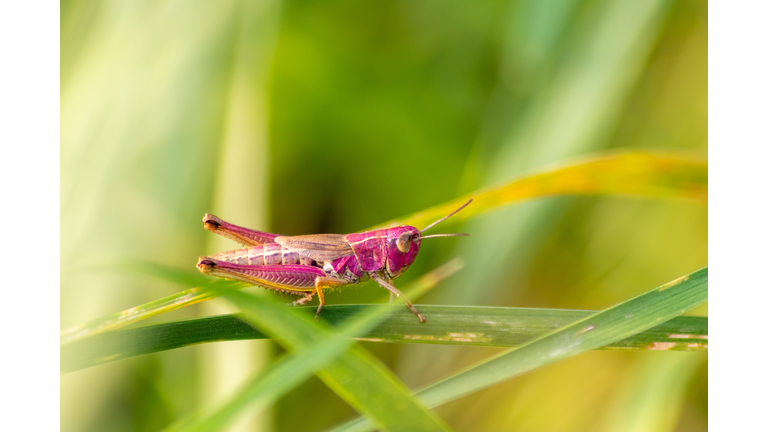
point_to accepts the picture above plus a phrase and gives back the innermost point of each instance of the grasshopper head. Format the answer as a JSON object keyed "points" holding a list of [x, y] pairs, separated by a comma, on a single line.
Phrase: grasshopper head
{"points": [[403, 244]]}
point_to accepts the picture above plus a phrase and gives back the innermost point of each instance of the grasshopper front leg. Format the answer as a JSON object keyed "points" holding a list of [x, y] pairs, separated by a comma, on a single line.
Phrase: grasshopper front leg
{"points": [[386, 284]]}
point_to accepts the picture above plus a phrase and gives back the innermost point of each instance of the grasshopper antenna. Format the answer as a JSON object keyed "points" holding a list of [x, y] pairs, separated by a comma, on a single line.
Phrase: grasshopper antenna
{"points": [[444, 235], [435, 223]]}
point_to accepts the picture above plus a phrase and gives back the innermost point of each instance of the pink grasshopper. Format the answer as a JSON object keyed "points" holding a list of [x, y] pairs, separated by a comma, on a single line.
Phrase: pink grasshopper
{"points": [[306, 265]]}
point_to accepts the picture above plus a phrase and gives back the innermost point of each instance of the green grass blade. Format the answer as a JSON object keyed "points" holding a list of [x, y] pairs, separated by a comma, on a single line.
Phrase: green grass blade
{"points": [[147, 310], [624, 173], [293, 370], [452, 325], [166, 304], [356, 376], [279, 377], [613, 324], [653, 395]]}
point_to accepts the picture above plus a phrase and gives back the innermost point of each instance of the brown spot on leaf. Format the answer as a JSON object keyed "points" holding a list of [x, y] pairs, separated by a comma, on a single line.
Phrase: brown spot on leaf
{"points": [[450, 337], [662, 346], [688, 336], [696, 345]]}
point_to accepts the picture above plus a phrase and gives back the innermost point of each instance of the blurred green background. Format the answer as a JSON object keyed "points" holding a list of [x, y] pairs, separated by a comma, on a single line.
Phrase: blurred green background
{"points": [[303, 117]]}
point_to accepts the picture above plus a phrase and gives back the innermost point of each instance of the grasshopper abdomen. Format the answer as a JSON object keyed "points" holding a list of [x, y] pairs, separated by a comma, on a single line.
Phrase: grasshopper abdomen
{"points": [[266, 254]]}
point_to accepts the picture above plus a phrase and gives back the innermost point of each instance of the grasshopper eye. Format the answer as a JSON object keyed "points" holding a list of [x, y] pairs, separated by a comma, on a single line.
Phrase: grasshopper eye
{"points": [[404, 242]]}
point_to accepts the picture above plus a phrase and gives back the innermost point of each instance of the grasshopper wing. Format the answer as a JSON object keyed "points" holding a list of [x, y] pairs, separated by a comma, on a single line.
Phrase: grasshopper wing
{"points": [[319, 247]]}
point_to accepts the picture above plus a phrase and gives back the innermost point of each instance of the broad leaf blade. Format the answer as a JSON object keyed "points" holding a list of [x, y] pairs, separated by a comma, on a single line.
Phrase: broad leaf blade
{"points": [[613, 324], [452, 325]]}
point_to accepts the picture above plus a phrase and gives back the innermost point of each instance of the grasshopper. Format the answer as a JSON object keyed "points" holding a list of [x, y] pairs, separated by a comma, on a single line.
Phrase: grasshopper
{"points": [[306, 265]]}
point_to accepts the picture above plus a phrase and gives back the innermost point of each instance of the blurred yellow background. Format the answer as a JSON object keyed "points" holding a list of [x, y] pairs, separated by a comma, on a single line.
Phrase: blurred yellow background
{"points": [[302, 117]]}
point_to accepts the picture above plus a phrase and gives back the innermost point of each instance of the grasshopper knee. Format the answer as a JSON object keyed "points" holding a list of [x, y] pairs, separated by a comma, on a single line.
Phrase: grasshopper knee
{"points": [[211, 222], [205, 265]]}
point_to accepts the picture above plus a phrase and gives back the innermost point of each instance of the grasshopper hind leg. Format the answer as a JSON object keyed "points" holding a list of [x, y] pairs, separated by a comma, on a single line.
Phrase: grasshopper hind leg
{"points": [[292, 279]]}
